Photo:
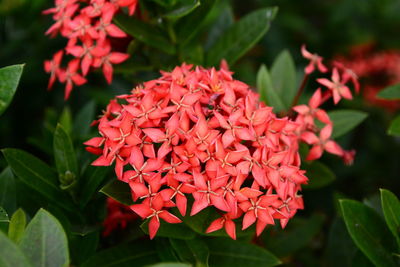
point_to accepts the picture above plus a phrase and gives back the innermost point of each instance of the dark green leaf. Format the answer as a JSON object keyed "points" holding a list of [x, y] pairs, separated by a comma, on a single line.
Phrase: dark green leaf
{"points": [[368, 232], [228, 252], [241, 37], [185, 7], [17, 225], [8, 199], [9, 79], [189, 26], [44, 241], [4, 220], [394, 128], [345, 120], [267, 92], [66, 120], [144, 32], [224, 21], [295, 236], [391, 210], [170, 264], [193, 251], [37, 175], [283, 78], [83, 247], [390, 93], [165, 250], [83, 119], [10, 254], [174, 230], [93, 178], [319, 175], [119, 191], [125, 255], [64, 153]]}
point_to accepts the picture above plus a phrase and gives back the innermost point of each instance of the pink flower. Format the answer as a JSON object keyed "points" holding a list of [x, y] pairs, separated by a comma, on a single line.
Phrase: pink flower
{"points": [[315, 61], [338, 87]]}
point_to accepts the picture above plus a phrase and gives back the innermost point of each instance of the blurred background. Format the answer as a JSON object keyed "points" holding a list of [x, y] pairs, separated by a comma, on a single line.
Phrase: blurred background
{"points": [[364, 34]]}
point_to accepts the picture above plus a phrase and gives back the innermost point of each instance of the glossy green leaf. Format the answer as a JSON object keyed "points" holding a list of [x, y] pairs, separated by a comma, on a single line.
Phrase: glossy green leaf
{"points": [[17, 225], [145, 33], [391, 93], [64, 153], [193, 251], [185, 7], [83, 119], [368, 232], [118, 191], [9, 79], [224, 20], [125, 255], [37, 175], [4, 220], [228, 252], [174, 230], [66, 120], [394, 128], [345, 120], [164, 250], [266, 90], [391, 210], [45, 242], [8, 194], [319, 175], [298, 234], [188, 27], [10, 254], [92, 179], [241, 37], [283, 78]]}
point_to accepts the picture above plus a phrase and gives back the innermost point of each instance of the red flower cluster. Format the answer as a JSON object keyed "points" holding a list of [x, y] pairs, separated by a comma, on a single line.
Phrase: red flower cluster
{"points": [[376, 71], [87, 24], [201, 132], [118, 216]]}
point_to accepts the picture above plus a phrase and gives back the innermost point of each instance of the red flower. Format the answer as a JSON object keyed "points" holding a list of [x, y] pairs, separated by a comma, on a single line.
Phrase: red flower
{"points": [[315, 61], [338, 87]]}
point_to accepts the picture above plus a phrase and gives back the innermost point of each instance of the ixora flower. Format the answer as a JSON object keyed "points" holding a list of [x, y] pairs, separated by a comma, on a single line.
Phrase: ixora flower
{"points": [[88, 27], [199, 132]]}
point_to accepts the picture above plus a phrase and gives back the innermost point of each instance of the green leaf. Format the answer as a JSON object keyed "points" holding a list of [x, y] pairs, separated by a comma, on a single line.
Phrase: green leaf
{"points": [[93, 178], [390, 93], [17, 226], [170, 264], [44, 241], [174, 230], [118, 191], [394, 128], [193, 251], [10, 254], [4, 220], [9, 79], [66, 120], [368, 232], [241, 37], [83, 119], [83, 247], [391, 210], [125, 255], [144, 32], [228, 252], [319, 175], [164, 250], [188, 27], [298, 234], [64, 153], [267, 92], [37, 175], [283, 78], [8, 199], [223, 22], [345, 120], [185, 7]]}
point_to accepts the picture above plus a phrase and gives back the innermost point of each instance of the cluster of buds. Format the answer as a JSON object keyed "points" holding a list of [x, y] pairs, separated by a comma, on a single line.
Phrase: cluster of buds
{"points": [[87, 24]]}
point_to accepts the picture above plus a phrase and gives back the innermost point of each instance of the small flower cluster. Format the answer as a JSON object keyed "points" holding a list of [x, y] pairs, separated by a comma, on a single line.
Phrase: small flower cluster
{"points": [[87, 24], [376, 70], [201, 133], [118, 216], [337, 88]]}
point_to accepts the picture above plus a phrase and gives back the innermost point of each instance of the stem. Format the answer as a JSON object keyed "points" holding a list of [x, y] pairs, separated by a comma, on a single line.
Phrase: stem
{"points": [[171, 31], [300, 91]]}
